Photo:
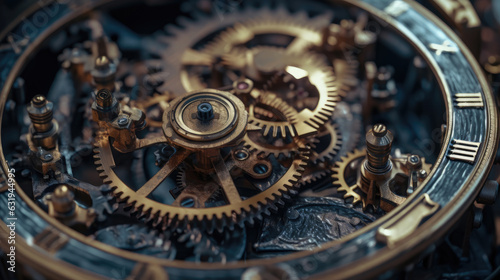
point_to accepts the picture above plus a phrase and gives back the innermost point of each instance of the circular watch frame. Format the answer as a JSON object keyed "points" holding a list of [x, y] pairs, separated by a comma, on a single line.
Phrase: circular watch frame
{"points": [[451, 187]]}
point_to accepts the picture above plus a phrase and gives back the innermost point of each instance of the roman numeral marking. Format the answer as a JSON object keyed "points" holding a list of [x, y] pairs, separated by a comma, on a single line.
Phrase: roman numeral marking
{"points": [[396, 8], [464, 150], [463, 100], [446, 46]]}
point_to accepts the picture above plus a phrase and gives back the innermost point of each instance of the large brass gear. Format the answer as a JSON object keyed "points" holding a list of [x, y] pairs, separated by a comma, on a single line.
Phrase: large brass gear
{"points": [[229, 47], [305, 31], [182, 38], [236, 210], [280, 117]]}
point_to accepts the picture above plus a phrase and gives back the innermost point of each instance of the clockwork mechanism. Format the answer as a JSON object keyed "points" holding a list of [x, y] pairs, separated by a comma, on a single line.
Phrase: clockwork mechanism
{"points": [[248, 140]]}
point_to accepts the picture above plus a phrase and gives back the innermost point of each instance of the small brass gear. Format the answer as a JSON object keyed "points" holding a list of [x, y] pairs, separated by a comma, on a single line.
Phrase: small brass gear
{"points": [[348, 164], [275, 118], [279, 117], [328, 143], [310, 87]]}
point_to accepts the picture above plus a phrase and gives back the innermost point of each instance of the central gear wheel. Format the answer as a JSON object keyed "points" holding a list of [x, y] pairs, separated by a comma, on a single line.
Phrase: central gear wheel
{"points": [[206, 156]]}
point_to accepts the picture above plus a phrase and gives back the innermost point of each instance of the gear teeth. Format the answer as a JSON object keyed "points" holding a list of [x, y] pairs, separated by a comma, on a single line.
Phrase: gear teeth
{"points": [[214, 221], [339, 178], [314, 177], [331, 150], [328, 92], [278, 128]]}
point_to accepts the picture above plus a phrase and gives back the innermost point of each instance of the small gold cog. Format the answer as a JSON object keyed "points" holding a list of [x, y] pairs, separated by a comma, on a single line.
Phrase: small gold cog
{"points": [[348, 164]]}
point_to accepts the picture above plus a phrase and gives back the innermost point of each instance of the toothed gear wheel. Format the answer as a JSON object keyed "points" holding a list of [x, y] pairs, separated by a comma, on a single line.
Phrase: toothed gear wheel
{"points": [[314, 174], [329, 141], [324, 149], [180, 40], [346, 176], [347, 167], [310, 87], [304, 32], [273, 115], [187, 33], [191, 204], [254, 141]]}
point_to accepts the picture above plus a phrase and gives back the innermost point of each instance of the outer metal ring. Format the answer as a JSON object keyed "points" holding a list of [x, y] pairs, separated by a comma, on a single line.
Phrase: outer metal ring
{"points": [[358, 253]]}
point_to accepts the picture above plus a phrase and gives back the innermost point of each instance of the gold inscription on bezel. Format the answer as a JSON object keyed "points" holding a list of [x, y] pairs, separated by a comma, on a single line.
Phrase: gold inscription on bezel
{"points": [[464, 100], [397, 8], [446, 46], [465, 151]]}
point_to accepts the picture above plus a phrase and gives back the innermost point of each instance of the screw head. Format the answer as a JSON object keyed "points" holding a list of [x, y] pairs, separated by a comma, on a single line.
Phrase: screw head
{"points": [[188, 202], [102, 63], [123, 121], [414, 159], [242, 85], [260, 169], [48, 157], [379, 130], [39, 101], [422, 173], [241, 155]]}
